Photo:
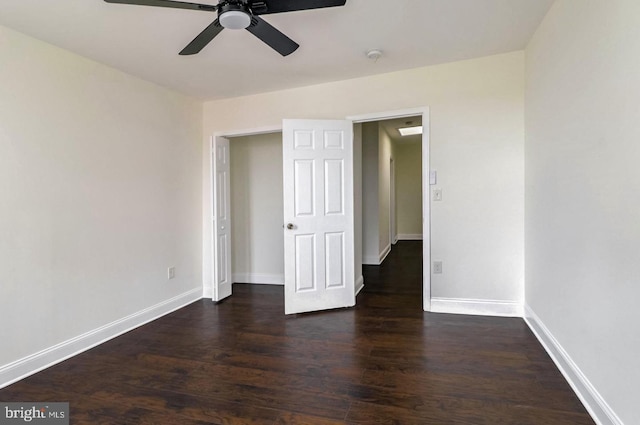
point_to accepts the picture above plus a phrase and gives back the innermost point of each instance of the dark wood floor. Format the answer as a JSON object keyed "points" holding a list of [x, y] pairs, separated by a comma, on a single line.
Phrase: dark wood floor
{"points": [[383, 362]]}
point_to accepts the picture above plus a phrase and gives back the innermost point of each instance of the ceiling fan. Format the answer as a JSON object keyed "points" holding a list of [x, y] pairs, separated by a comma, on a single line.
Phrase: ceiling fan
{"points": [[241, 14]]}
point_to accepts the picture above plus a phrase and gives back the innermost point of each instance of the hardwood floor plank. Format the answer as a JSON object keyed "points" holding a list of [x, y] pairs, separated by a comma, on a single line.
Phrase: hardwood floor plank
{"points": [[297, 419]]}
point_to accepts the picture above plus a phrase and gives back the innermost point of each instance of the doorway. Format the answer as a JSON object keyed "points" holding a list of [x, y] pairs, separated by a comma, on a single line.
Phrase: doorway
{"points": [[420, 213], [423, 112], [257, 243], [304, 175], [391, 186], [392, 192]]}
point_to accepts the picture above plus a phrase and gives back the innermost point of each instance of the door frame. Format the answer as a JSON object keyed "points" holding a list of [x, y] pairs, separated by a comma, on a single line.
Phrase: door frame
{"points": [[426, 207], [211, 289]]}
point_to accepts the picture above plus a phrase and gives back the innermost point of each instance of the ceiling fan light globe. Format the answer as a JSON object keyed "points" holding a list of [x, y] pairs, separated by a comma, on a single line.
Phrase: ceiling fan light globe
{"points": [[235, 20]]}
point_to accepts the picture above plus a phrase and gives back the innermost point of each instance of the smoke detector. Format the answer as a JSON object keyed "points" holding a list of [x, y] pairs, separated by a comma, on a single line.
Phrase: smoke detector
{"points": [[374, 54]]}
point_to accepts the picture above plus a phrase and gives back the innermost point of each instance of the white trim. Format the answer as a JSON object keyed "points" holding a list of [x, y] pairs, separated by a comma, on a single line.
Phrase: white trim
{"points": [[371, 260], [34, 363], [426, 210], [398, 113], [376, 260], [384, 253], [249, 132], [395, 239], [409, 237], [597, 407], [212, 288], [259, 278], [359, 284], [476, 307], [207, 292]]}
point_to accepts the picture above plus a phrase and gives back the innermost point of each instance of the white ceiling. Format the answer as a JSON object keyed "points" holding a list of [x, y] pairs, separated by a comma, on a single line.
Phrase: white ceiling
{"points": [[145, 41], [392, 126]]}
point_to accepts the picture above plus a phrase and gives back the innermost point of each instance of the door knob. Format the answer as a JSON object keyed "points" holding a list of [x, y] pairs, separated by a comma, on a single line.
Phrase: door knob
{"points": [[290, 226]]}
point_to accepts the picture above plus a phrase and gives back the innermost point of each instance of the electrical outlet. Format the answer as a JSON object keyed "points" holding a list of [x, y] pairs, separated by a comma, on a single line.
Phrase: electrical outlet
{"points": [[437, 195], [171, 272], [437, 267]]}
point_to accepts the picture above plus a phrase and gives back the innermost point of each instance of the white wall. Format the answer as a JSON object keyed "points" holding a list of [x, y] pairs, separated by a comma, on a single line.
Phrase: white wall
{"points": [[408, 165], [370, 195], [257, 238], [377, 153], [477, 138], [582, 191], [100, 183], [385, 154]]}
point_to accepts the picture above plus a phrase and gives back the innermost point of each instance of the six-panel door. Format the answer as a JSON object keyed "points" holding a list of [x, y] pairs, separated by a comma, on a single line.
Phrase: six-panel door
{"points": [[222, 284], [318, 215]]}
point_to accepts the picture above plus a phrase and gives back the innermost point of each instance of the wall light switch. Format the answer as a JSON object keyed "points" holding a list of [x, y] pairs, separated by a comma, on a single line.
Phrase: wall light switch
{"points": [[171, 272], [433, 177], [437, 267], [437, 195]]}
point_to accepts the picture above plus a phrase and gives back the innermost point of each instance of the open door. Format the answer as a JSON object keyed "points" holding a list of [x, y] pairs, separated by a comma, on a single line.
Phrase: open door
{"points": [[318, 215], [222, 284]]}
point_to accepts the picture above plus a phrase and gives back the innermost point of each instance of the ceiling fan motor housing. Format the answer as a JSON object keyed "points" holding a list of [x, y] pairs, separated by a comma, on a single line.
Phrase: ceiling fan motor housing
{"points": [[234, 14]]}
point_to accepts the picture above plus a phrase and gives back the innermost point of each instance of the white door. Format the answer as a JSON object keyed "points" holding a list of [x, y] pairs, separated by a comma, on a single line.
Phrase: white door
{"points": [[318, 215], [222, 283]]}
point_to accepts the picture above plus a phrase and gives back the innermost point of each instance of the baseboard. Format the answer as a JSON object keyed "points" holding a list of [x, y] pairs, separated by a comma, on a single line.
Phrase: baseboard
{"points": [[384, 253], [48, 357], [259, 278], [371, 260], [359, 284], [207, 291], [410, 237], [597, 407], [476, 307]]}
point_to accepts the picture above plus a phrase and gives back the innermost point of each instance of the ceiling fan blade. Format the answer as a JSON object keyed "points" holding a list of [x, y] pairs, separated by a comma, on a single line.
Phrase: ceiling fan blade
{"points": [[204, 38], [266, 7], [167, 3], [272, 37]]}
